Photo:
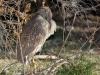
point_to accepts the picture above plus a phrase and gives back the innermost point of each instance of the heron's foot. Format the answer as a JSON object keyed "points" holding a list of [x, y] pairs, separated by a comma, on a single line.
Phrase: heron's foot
{"points": [[33, 66], [32, 63]]}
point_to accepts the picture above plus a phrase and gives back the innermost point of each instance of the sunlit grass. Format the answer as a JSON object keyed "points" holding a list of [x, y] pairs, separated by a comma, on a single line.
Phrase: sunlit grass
{"points": [[82, 67]]}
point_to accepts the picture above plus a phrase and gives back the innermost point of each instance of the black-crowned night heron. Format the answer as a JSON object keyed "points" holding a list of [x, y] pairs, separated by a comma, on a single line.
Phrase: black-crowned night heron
{"points": [[35, 33]]}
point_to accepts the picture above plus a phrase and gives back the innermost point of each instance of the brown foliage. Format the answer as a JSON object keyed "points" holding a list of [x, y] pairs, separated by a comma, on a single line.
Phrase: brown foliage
{"points": [[13, 15]]}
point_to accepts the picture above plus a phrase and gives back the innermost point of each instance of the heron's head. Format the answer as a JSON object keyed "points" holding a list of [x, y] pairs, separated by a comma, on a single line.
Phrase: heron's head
{"points": [[45, 12]]}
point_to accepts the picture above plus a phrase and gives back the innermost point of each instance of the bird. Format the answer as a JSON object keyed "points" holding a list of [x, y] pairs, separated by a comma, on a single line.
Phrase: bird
{"points": [[34, 34]]}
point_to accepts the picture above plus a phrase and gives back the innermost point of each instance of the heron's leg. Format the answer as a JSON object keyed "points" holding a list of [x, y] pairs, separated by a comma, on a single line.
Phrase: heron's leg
{"points": [[32, 64], [27, 60]]}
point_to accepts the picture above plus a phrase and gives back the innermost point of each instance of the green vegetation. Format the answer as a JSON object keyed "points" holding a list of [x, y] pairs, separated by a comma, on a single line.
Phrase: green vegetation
{"points": [[83, 67]]}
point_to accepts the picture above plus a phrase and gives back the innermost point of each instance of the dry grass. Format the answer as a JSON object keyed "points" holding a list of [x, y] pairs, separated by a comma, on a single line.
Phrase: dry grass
{"points": [[82, 63]]}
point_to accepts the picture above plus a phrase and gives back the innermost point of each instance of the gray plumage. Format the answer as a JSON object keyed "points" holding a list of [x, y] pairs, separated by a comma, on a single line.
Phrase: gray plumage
{"points": [[35, 33]]}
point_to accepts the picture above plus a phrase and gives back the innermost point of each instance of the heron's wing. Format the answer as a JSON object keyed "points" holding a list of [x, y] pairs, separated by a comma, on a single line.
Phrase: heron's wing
{"points": [[33, 36]]}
